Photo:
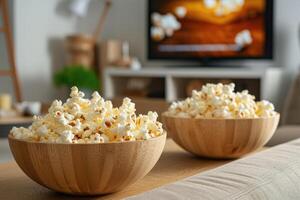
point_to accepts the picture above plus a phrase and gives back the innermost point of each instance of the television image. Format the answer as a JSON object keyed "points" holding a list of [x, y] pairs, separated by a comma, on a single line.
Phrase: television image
{"points": [[210, 29]]}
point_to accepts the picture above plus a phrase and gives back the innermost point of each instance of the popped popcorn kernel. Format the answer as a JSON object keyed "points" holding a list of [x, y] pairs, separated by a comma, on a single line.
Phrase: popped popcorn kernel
{"points": [[94, 120], [223, 7], [220, 101]]}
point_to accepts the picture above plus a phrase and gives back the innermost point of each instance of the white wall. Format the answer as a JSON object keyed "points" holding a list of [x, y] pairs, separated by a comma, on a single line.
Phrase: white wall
{"points": [[39, 30], [41, 25]]}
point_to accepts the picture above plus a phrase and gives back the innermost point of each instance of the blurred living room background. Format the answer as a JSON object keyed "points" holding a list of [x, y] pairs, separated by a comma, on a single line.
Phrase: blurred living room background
{"points": [[110, 46]]}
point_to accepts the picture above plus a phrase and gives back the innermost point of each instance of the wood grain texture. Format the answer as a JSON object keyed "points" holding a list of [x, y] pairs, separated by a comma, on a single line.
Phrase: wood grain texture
{"points": [[87, 169], [220, 138], [174, 164], [80, 50]]}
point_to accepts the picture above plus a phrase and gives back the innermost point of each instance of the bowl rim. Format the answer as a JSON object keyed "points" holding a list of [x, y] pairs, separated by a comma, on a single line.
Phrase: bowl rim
{"points": [[163, 135], [165, 114]]}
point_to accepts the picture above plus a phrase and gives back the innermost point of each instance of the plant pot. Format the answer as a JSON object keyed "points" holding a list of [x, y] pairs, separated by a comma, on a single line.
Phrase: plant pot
{"points": [[80, 50]]}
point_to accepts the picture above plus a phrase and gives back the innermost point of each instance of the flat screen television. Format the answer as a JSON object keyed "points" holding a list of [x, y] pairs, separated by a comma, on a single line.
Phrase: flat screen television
{"points": [[209, 30]]}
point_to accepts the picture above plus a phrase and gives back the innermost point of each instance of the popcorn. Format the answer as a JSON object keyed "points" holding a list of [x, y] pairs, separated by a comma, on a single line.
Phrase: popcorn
{"points": [[220, 11], [94, 120], [180, 11], [156, 19], [21, 133], [264, 108], [165, 25], [210, 3], [243, 38], [220, 101], [42, 130], [224, 7], [231, 5], [169, 22], [66, 137]]}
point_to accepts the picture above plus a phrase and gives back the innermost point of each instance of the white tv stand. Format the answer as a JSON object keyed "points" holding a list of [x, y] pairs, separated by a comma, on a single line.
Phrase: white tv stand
{"points": [[269, 79]]}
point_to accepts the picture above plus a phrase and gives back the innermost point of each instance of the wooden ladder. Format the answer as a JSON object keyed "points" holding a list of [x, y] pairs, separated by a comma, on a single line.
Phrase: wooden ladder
{"points": [[6, 30]]}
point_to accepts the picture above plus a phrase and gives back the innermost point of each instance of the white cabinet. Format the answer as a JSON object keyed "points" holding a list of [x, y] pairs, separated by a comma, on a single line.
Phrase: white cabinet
{"points": [[267, 81]]}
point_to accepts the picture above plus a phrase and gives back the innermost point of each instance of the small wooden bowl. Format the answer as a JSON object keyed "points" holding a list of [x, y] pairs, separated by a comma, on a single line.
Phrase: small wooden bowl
{"points": [[220, 138], [87, 169]]}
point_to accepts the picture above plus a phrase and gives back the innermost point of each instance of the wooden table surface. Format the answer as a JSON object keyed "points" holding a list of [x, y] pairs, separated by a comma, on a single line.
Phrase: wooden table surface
{"points": [[174, 164], [15, 120]]}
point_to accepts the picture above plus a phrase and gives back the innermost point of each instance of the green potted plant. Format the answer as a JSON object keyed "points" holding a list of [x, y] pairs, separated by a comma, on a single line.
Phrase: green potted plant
{"points": [[77, 75]]}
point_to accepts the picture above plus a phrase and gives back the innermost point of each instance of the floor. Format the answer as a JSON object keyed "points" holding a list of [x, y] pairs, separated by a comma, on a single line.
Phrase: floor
{"points": [[5, 154]]}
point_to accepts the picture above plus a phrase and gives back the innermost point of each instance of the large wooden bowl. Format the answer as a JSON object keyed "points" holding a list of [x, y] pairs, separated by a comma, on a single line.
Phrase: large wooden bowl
{"points": [[220, 138], [87, 169]]}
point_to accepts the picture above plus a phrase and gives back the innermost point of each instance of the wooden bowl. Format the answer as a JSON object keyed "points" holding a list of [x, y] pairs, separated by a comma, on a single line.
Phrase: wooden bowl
{"points": [[220, 138], [87, 169]]}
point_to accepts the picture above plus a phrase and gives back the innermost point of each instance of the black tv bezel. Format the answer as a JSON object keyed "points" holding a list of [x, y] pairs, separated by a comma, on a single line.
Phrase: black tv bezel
{"points": [[269, 44]]}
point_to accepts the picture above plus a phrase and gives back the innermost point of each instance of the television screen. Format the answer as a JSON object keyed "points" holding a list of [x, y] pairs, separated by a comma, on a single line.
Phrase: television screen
{"points": [[210, 29]]}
